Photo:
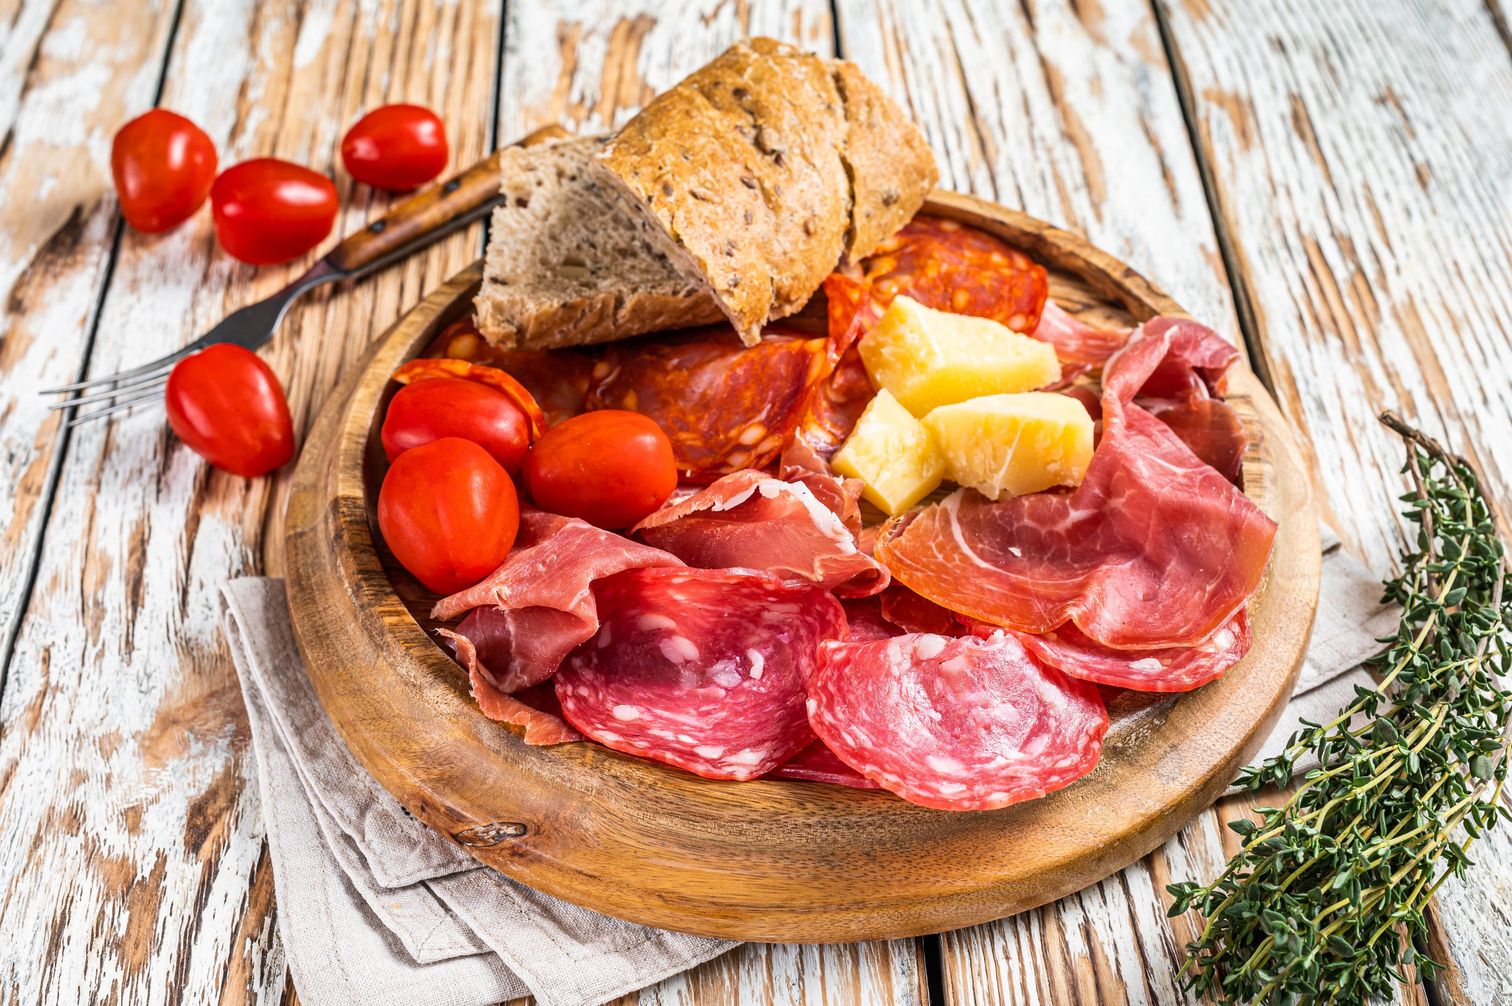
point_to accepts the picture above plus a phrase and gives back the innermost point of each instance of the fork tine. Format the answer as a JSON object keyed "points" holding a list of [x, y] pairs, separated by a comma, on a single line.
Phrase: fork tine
{"points": [[151, 368], [152, 379], [129, 402]]}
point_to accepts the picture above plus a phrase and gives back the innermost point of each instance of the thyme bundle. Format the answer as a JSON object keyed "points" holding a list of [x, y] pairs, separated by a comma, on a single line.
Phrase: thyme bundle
{"points": [[1328, 892]]}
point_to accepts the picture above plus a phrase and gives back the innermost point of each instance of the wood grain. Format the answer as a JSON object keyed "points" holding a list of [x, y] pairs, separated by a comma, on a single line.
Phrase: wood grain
{"points": [[133, 864]]}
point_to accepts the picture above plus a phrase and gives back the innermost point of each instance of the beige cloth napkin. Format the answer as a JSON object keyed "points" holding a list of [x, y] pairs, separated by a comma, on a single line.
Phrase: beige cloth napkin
{"points": [[375, 908]]}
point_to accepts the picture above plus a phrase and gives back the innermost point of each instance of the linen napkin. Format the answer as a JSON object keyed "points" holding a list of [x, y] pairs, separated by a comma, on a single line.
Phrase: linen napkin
{"points": [[375, 908]]}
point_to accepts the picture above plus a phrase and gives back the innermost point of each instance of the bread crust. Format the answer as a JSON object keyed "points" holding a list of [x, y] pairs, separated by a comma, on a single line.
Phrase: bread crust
{"points": [[746, 173]]}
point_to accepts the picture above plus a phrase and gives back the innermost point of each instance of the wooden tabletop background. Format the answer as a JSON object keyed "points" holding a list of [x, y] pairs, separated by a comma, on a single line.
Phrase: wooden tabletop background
{"points": [[1329, 184]]}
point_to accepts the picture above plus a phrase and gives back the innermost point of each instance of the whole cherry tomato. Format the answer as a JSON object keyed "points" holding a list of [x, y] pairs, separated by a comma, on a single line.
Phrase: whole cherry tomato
{"points": [[267, 210], [448, 513], [395, 147], [609, 467], [163, 166], [437, 407], [227, 404]]}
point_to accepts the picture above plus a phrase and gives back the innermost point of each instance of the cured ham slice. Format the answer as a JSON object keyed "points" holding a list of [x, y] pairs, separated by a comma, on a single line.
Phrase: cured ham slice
{"points": [[539, 604], [725, 406], [541, 727], [817, 763], [955, 723], [864, 616], [1208, 426], [913, 613], [800, 463], [1075, 341], [702, 669], [1154, 549], [750, 519], [1168, 670]]}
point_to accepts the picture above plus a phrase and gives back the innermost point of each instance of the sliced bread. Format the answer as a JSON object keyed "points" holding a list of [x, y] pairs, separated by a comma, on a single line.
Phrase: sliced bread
{"points": [[763, 171], [566, 266]]}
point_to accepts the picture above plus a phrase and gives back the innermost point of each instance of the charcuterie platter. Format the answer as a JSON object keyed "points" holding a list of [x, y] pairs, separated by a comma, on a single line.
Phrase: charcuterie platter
{"points": [[765, 859]]}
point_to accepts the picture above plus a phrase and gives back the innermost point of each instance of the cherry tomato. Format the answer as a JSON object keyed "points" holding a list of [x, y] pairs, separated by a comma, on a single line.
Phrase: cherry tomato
{"points": [[448, 513], [227, 404], [455, 407], [267, 210], [163, 166], [395, 147], [609, 467]]}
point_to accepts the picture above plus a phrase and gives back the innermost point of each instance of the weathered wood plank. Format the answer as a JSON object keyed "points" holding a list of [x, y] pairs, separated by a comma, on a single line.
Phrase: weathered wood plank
{"points": [[1068, 110], [1360, 154], [589, 66], [68, 78], [131, 852]]}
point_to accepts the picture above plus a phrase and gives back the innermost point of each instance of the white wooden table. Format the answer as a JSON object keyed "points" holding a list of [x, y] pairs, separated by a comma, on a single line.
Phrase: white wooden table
{"points": [[1330, 184]]}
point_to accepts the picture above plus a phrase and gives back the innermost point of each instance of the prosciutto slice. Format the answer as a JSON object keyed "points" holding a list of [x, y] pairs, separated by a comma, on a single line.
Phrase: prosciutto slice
{"points": [[1154, 549], [748, 518], [539, 604], [1074, 340], [1167, 670], [702, 669], [542, 728], [955, 723]]}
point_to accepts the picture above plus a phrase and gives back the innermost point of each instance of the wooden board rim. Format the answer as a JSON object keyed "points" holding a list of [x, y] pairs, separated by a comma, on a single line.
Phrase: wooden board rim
{"points": [[764, 860]]}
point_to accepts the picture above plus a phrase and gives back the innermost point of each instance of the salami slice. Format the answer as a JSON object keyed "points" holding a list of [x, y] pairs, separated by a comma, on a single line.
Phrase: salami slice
{"points": [[748, 518], [702, 669], [913, 613], [725, 406], [539, 604], [542, 727], [817, 763], [864, 616], [1166, 670], [955, 723], [557, 378]]}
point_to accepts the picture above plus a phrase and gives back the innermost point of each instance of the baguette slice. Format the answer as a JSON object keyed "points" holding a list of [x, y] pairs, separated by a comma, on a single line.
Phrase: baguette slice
{"points": [[565, 266], [763, 171]]}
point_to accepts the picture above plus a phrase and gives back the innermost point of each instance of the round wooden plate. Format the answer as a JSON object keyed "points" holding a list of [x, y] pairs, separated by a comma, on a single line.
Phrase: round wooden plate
{"points": [[777, 861]]}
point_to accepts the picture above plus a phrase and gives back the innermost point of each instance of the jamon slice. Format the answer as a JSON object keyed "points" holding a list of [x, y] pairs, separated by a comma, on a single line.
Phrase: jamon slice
{"points": [[1154, 549], [955, 723], [911, 612], [541, 728], [817, 763], [1169, 670], [1075, 341], [702, 669], [539, 604], [750, 519]]}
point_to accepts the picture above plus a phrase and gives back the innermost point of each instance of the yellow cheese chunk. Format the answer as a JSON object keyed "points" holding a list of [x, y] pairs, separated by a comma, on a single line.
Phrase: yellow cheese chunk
{"points": [[892, 454], [1013, 444], [929, 358]]}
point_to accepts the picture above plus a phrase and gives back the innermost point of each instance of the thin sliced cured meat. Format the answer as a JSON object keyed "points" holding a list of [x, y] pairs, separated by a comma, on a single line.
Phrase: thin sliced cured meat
{"points": [[1154, 549], [724, 405], [800, 463], [864, 617], [1166, 670], [817, 763], [836, 406], [542, 727], [913, 613], [1208, 426], [702, 669], [557, 378], [955, 723], [1074, 340], [748, 518], [539, 604]]}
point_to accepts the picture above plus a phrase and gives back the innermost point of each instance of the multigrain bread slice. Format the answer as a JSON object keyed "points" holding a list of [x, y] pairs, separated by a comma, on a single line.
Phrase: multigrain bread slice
{"points": [[763, 171], [566, 266]]}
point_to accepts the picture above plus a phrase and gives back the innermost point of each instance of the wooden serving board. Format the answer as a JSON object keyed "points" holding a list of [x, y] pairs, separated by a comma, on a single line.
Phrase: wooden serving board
{"points": [[779, 861]]}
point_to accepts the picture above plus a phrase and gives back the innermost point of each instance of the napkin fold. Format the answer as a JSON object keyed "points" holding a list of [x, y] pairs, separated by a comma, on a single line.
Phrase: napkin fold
{"points": [[375, 908]]}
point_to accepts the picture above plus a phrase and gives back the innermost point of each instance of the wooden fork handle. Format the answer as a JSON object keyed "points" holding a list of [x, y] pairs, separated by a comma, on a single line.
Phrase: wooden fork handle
{"points": [[430, 208]]}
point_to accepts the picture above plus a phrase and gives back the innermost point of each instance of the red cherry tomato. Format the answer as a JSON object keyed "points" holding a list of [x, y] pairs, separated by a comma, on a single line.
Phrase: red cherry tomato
{"points": [[448, 513], [455, 407], [609, 467], [395, 147], [163, 165], [267, 210], [227, 404]]}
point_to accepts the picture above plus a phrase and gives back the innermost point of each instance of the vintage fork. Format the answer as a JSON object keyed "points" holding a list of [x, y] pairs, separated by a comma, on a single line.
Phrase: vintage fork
{"points": [[421, 220]]}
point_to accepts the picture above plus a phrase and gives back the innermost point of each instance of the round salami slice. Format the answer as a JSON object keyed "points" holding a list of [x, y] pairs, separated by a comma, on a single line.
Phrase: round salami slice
{"points": [[1177, 669], [702, 669], [955, 723], [817, 763]]}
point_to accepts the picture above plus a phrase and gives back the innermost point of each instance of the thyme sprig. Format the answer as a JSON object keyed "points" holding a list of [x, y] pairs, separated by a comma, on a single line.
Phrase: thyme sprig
{"points": [[1327, 894]]}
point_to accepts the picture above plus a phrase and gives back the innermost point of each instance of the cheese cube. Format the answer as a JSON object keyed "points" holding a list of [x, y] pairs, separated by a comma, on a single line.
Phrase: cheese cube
{"points": [[1013, 444], [929, 358], [892, 454]]}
